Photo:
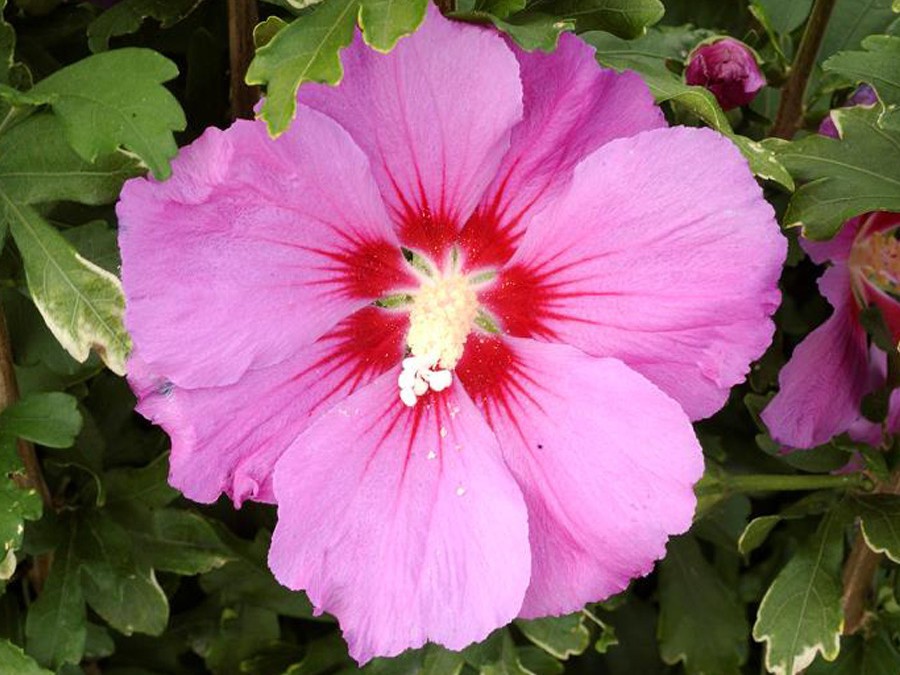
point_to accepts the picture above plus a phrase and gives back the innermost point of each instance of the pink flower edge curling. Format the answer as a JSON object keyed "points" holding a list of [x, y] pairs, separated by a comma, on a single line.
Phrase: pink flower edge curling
{"points": [[822, 387], [455, 323]]}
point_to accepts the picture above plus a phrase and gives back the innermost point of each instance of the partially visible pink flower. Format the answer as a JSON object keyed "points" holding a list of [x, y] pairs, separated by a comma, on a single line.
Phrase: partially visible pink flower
{"points": [[822, 386], [456, 322], [864, 95], [728, 69]]}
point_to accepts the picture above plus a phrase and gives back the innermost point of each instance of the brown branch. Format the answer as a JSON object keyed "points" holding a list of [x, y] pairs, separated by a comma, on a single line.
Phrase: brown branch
{"points": [[33, 478], [860, 569], [242, 18], [790, 110]]}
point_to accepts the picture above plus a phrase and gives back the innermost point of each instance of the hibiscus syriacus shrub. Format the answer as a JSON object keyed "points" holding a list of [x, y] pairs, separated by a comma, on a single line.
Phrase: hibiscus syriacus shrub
{"points": [[470, 337]]}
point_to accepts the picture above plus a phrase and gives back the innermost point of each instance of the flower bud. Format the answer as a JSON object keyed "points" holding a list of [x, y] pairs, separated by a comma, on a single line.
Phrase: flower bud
{"points": [[728, 68]]}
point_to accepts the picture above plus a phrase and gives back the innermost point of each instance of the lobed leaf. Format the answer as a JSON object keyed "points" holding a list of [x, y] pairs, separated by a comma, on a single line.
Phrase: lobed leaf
{"points": [[112, 100], [801, 615], [878, 65], [843, 178], [306, 50]]}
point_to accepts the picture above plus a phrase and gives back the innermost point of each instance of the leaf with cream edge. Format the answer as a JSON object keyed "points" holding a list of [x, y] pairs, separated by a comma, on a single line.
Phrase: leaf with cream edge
{"points": [[560, 636], [880, 523], [82, 303], [306, 50], [385, 21], [800, 615]]}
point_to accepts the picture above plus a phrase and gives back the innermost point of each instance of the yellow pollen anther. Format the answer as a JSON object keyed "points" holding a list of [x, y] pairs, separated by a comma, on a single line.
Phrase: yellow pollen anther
{"points": [[442, 316], [877, 257]]}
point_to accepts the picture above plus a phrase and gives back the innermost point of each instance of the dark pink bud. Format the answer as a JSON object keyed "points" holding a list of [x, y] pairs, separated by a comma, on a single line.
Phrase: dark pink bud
{"points": [[728, 69]]}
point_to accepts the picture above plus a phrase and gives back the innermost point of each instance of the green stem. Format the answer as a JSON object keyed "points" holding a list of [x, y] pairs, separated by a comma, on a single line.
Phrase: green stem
{"points": [[778, 483], [790, 109]]}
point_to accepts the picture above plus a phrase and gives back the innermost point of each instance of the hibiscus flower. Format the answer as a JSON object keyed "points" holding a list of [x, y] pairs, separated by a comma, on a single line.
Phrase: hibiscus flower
{"points": [[455, 323], [822, 387]]}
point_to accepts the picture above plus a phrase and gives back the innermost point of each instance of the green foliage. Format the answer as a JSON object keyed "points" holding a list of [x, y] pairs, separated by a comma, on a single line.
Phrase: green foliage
{"points": [[81, 302], [127, 17], [307, 50], [691, 591], [100, 112], [144, 582], [800, 615], [16, 662], [877, 65], [880, 523], [843, 178], [383, 22]]}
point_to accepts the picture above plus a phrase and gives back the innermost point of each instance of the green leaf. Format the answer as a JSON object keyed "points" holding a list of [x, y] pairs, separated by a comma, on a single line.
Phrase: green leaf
{"points": [[118, 585], [624, 18], [531, 30], [386, 21], [15, 662], [182, 542], [126, 17], [785, 16], [49, 419], [763, 161], [851, 21], [441, 661], [116, 99], [843, 178], [33, 171], [800, 615], [559, 636], [878, 65], [880, 522], [691, 592], [81, 303], [248, 580], [875, 655], [242, 632], [17, 504], [649, 56], [756, 532], [56, 627], [307, 50], [147, 485]]}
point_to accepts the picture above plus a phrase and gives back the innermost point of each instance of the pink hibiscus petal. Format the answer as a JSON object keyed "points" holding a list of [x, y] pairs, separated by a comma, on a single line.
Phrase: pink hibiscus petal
{"points": [[645, 258], [605, 459], [227, 439], [402, 522], [434, 117], [223, 262], [572, 107], [822, 386]]}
